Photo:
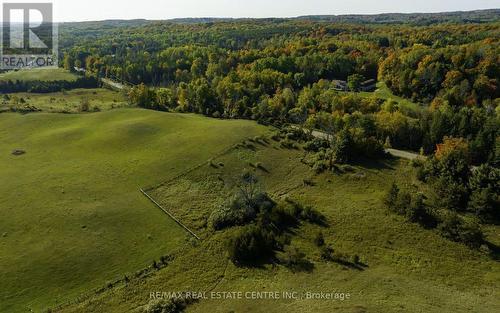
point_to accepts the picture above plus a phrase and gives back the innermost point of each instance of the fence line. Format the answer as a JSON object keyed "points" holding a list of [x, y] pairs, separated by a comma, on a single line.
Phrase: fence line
{"points": [[169, 214], [194, 168]]}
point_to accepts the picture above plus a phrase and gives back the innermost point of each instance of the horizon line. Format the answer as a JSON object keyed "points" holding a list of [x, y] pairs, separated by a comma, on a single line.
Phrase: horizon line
{"points": [[273, 17]]}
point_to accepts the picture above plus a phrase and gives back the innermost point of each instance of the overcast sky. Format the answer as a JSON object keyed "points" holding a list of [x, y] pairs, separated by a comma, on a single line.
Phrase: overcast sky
{"points": [[86, 10]]}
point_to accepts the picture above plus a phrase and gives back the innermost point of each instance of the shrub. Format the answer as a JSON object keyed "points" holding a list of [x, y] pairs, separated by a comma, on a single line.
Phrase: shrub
{"points": [[295, 134], [485, 193], [402, 203], [288, 144], [451, 194], [239, 211], [316, 145], [355, 259], [319, 239], [279, 217], [370, 147], [308, 182], [417, 212], [396, 200], [326, 253], [348, 168], [342, 147], [166, 306], [84, 105], [458, 229], [485, 203], [295, 260], [320, 166], [312, 216], [251, 245], [243, 207]]}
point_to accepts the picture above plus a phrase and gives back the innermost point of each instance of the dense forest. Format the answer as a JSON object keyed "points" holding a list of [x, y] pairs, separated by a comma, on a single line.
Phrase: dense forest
{"points": [[280, 70]]}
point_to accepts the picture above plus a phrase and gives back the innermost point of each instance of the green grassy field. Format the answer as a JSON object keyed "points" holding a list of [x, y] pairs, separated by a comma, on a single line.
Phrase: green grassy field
{"points": [[71, 214], [43, 74], [407, 269], [65, 101], [383, 92]]}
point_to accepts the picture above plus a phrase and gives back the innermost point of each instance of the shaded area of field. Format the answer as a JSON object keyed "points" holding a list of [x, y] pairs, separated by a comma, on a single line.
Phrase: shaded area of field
{"points": [[71, 216]]}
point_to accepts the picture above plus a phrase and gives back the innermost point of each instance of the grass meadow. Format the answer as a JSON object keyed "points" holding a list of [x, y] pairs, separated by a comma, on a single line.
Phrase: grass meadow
{"points": [[71, 214], [43, 74], [70, 101]]}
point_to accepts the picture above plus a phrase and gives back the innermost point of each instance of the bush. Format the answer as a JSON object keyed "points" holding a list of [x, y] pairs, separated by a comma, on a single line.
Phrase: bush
{"points": [[370, 147], [319, 239], [451, 194], [485, 203], [288, 144], [296, 260], [312, 216], [342, 147], [391, 196], [347, 168], [240, 210], [327, 253], [295, 134], [397, 201], [280, 217], [402, 203], [84, 105], [251, 245], [243, 207], [165, 306], [417, 212], [316, 145], [461, 230], [485, 193], [320, 166], [355, 259]]}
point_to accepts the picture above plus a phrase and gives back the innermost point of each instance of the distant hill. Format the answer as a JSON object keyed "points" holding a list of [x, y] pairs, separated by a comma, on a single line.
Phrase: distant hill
{"points": [[478, 16]]}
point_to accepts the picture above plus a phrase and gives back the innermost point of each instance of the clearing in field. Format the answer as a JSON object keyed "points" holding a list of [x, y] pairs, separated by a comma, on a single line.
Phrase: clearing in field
{"points": [[71, 214], [399, 259], [70, 101], [42, 74]]}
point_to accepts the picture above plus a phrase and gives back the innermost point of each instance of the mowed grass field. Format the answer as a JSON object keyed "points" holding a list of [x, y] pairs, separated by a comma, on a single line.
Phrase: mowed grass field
{"points": [[407, 268], [43, 74], [71, 214], [69, 101]]}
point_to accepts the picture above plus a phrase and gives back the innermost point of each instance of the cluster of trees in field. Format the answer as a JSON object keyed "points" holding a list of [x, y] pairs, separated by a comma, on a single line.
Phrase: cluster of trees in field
{"points": [[41, 86], [459, 197], [264, 226]]}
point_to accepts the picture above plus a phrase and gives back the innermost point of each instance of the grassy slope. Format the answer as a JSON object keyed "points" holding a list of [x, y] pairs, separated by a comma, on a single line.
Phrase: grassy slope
{"points": [[408, 269], [67, 101], [383, 92], [44, 74], [71, 215]]}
